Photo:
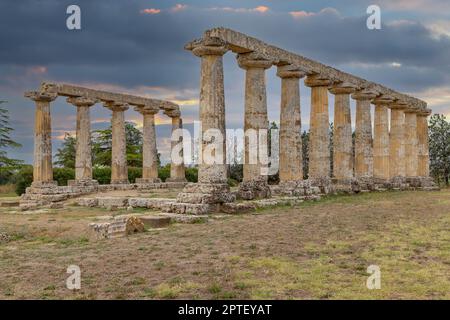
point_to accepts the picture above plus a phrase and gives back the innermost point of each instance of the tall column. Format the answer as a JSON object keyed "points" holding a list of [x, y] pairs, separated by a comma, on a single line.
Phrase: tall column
{"points": [[254, 182], [319, 138], [83, 156], [149, 150], [363, 134], [342, 133], [291, 158], [119, 169], [381, 139], [423, 169], [177, 170], [42, 167], [411, 143], [212, 188], [397, 163]]}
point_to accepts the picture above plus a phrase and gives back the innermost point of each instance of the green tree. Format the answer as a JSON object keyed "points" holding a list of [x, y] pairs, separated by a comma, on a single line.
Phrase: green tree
{"points": [[439, 140], [6, 141], [65, 156]]}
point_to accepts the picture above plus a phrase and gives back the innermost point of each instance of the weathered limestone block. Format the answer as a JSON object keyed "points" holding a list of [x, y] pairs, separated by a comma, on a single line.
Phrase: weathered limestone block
{"points": [[236, 208], [254, 189], [363, 135], [290, 162], [183, 218], [119, 202], [119, 227], [119, 169], [87, 202], [294, 188], [381, 139], [342, 132], [397, 141], [155, 221], [319, 153]]}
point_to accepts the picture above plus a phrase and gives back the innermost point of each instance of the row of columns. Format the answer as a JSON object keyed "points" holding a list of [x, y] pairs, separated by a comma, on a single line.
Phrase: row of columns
{"points": [[401, 151], [42, 170]]}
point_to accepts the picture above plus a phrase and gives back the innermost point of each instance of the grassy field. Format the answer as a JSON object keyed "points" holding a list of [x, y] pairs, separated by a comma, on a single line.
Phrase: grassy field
{"points": [[317, 250]]}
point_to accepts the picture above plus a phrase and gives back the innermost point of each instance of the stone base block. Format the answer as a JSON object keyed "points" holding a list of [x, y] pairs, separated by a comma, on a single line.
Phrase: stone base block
{"points": [[365, 184], [191, 208], [119, 227], [249, 190], [87, 202], [323, 183], [236, 208], [155, 221], [148, 180], [120, 181], [296, 188], [184, 218], [82, 183], [205, 193], [44, 184], [174, 179], [109, 202], [399, 183]]}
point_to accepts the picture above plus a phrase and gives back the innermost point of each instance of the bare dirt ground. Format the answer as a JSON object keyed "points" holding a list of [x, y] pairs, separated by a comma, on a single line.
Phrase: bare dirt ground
{"points": [[317, 250]]}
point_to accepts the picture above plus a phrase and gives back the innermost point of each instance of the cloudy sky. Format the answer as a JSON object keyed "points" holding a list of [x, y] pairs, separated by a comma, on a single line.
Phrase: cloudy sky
{"points": [[136, 46]]}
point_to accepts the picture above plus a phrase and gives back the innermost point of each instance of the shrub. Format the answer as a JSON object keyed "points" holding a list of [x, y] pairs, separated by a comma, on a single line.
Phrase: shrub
{"points": [[192, 174], [134, 173], [102, 174], [24, 179], [61, 175], [164, 172]]}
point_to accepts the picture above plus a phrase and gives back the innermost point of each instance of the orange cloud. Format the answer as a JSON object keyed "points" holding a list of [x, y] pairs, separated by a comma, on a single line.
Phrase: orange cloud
{"points": [[301, 14], [150, 11], [259, 9]]}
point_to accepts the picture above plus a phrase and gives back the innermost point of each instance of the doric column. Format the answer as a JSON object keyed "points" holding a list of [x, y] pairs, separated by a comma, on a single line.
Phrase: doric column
{"points": [[423, 169], [254, 182], [319, 138], [177, 170], [119, 169], [411, 143], [381, 139], [83, 157], [363, 134], [42, 167], [342, 132], [149, 151], [291, 163], [397, 163]]}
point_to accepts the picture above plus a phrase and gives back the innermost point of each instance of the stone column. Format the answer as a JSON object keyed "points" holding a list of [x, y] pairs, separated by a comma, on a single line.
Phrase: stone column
{"points": [[149, 150], [83, 157], [291, 158], [212, 188], [42, 166], [342, 134], [411, 143], [423, 168], [319, 138], [381, 140], [119, 169], [254, 182], [397, 163], [363, 135], [177, 170]]}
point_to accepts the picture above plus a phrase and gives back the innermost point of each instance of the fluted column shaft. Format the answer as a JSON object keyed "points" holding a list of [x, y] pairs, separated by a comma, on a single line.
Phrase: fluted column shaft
{"points": [[381, 139], [83, 157], [291, 163], [397, 142], [42, 166], [423, 147], [411, 144], [342, 132], [119, 168], [319, 138], [363, 134], [255, 117]]}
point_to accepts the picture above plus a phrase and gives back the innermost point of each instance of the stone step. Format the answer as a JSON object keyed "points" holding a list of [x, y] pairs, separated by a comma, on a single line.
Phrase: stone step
{"points": [[155, 221]]}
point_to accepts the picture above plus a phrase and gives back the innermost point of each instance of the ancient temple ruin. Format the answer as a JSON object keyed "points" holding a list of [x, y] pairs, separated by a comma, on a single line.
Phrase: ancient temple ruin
{"points": [[395, 156]]}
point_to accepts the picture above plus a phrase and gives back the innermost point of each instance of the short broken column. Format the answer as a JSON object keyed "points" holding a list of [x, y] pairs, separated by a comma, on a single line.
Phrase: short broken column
{"points": [[255, 172], [42, 165], [119, 168], [342, 134], [411, 144], [291, 158], [177, 169], [319, 136], [83, 157], [212, 188], [149, 150], [381, 140], [397, 163]]}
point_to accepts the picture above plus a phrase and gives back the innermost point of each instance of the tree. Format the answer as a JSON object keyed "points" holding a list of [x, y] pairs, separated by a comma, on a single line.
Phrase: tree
{"points": [[439, 140], [6, 141], [65, 156]]}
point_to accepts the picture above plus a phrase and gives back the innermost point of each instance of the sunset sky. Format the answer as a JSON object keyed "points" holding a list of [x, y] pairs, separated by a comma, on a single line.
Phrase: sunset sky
{"points": [[136, 47]]}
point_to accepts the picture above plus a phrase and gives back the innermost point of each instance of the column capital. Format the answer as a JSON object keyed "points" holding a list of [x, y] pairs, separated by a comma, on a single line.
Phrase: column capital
{"points": [[365, 94], [82, 101], [172, 113], [289, 71], [342, 88], [209, 46], [317, 80], [410, 109], [116, 106], [147, 109], [254, 60], [41, 96], [424, 112], [399, 105], [383, 100]]}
